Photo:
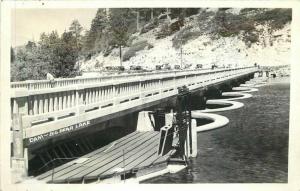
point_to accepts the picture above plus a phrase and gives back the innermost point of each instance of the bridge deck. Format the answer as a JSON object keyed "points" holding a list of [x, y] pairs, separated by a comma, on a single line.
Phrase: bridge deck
{"points": [[45, 113], [137, 150]]}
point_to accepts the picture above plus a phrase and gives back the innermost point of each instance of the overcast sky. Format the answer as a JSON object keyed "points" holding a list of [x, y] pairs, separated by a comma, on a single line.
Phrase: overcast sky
{"points": [[28, 24]]}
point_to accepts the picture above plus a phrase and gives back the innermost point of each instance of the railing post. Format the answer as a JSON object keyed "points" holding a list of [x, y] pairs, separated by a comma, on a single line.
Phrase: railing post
{"points": [[174, 81], [54, 84], [29, 84], [20, 97], [19, 159], [160, 85], [80, 99], [141, 87], [115, 99], [17, 128]]}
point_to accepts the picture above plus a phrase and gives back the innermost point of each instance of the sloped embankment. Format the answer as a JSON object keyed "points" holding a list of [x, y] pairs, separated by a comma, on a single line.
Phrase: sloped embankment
{"points": [[231, 37]]}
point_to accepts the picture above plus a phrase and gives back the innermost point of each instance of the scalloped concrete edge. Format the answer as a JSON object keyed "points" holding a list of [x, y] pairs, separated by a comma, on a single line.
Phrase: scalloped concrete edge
{"points": [[244, 96], [234, 105], [253, 85], [244, 89], [218, 120]]}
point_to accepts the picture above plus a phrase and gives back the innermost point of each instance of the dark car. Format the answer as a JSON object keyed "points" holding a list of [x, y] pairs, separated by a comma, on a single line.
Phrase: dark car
{"points": [[177, 67], [120, 68], [214, 66], [158, 67], [198, 66], [134, 67], [108, 68]]}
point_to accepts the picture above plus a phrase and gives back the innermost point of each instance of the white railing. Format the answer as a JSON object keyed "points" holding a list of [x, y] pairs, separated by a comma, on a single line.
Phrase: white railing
{"points": [[62, 82], [76, 98]]}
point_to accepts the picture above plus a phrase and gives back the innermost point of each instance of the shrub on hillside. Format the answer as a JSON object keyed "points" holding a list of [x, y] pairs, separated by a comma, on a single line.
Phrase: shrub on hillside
{"points": [[277, 17], [131, 39], [250, 38], [135, 48], [149, 26], [183, 36], [204, 22], [176, 25], [191, 11], [246, 10], [168, 28], [229, 24], [164, 31]]}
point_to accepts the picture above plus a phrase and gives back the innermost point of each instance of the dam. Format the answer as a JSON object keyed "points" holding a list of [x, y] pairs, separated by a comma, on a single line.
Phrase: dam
{"points": [[66, 119]]}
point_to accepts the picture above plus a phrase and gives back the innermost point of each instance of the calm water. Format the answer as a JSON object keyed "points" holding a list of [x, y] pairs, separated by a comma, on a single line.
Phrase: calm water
{"points": [[253, 148]]}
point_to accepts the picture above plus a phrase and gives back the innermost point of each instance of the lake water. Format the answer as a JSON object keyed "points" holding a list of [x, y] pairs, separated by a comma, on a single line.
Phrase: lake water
{"points": [[252, 148]]}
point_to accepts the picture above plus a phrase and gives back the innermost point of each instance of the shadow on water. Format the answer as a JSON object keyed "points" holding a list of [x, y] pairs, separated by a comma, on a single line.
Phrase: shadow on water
{"points": [[203, 121], [217, 106], [229, 97]]}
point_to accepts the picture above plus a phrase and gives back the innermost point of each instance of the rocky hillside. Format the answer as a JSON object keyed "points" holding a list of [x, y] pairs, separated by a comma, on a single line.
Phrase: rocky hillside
{"points": [[224, 37]]}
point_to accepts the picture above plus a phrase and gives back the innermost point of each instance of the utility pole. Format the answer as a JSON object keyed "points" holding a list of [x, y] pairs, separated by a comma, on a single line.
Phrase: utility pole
{"points": [[107, 12], [137, 20], [120, 55], [152, 14], [181, 53], [167, 13]]}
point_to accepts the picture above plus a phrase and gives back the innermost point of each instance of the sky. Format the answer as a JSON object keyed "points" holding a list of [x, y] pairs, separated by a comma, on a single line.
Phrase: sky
{"points": [[28, 24]]}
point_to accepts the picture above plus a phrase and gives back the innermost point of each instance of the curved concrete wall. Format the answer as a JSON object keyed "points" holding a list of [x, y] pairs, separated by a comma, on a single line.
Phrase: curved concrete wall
{"points": [[241, 92], [218, 120], [233, 105], [245, 89]]}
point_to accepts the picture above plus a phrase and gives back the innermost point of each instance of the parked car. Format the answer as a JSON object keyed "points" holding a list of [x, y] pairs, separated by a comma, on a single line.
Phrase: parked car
{"points": [[108, 68], [187, 66], [177, 67], [158, 67], [115, 68], [199, 66], [120, 68], [214, 66], [134, 67], [166, 67]]}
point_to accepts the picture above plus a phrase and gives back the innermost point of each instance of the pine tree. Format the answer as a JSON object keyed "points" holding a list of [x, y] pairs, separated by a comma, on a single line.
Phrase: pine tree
{"points": [[76, 30], [12, 55], [98, 26], [120, 22], [68, 54]]}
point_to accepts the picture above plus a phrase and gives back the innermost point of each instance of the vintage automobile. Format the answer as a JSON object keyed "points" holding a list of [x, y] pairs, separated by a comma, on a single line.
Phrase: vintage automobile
{"points": [[158, 67], [177, 67], [199, 66], [166, 67], [134, 67]]}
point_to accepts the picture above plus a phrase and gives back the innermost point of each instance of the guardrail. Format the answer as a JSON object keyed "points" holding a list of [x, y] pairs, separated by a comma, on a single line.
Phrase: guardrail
{"points": [[62, 82], [51, 104]]}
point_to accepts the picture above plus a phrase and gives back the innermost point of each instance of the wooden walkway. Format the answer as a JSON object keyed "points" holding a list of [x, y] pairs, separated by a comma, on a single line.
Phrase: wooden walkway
{"points": [[140, 151]]}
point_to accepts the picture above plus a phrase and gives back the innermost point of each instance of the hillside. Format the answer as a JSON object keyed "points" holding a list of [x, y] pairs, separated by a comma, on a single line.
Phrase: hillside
{"points": [[224, 37], [148, 37]]}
